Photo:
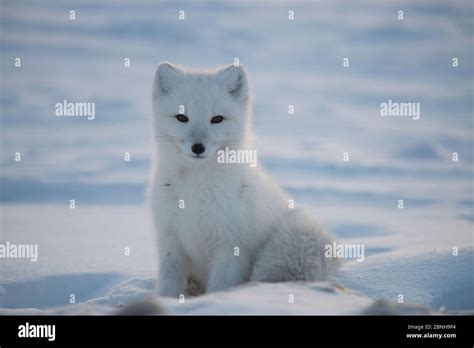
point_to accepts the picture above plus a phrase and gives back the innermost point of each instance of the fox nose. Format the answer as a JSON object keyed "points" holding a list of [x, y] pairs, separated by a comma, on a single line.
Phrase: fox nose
{"points": [[198, 149]]}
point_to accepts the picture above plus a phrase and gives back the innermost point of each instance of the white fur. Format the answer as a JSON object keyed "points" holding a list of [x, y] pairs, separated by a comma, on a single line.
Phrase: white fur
{"points": [[225, 205]]}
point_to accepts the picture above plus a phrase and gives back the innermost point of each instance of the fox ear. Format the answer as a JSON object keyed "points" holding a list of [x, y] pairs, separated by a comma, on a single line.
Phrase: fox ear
{"points": [[235, 81], [166, 77]]}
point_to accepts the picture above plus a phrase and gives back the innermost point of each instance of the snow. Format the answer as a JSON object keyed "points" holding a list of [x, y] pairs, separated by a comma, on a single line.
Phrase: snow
{"points": [[408, 251], [430, 281], [435, 280], [426, 281]]}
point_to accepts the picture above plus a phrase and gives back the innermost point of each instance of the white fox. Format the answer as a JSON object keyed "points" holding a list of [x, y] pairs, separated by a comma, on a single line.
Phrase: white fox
{"points": [[220, 224]]}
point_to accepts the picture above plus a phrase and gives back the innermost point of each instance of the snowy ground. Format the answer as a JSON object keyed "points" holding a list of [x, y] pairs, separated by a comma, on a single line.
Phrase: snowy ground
{"points": [[409, 251], [81, 252]]}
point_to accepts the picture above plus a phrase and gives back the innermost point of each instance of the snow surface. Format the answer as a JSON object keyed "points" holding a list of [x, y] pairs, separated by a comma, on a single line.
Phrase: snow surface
{"points": [[409, 251], [426, 282], [430, 281]]}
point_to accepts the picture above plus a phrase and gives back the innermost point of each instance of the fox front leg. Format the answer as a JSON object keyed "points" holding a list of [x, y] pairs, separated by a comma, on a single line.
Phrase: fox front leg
{"points": [[228, 269], [173, 274]]}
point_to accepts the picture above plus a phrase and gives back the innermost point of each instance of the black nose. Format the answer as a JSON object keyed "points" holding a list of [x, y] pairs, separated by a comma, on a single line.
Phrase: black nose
{"points": [[198, 149]]}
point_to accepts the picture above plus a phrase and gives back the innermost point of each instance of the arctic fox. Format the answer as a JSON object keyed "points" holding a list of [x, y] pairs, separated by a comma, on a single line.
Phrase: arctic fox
{"points": [[220, 224]]}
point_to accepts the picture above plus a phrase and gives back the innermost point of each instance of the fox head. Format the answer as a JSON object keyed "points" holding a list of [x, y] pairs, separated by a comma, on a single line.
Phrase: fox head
{"points": [[195, 113]]}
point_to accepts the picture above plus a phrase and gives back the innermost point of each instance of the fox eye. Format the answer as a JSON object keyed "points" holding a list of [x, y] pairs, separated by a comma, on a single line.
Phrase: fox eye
{"points": [[217, 119], [182, 118]]}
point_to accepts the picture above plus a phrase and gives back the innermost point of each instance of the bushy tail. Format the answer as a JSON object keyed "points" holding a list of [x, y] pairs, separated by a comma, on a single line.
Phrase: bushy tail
{"points": [[294, 251]]}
